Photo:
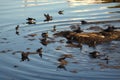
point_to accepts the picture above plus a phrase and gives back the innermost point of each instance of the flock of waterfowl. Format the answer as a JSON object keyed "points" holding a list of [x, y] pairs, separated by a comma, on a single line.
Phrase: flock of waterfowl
{"points": [[70, 40]]}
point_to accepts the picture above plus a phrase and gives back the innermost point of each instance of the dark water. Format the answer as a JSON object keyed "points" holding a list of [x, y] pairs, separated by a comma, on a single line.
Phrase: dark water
{"points": [[80, 66]]}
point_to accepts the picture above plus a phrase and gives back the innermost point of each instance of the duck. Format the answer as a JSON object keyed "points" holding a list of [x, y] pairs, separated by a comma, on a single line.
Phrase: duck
{"points": [[44, 35], [83, 22], [76, 28], [44, 41], [24, 56], [48, 17], [31, 20], [39, 50], [95, 54], [109, 29], [54, 28], [60, 12], [17, 27], [107, 58]]}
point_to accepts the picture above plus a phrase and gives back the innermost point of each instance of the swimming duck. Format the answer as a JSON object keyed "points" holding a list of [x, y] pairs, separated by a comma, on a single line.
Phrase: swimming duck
{"points": [[95, 54], [60, 12], [24, 56], [107, 58], [44, 35], [54, 28], [39, 50], [76, 28], [17, 27], [48, 17], [44, 41], [31, 20], [83, 22], [110, 29]]}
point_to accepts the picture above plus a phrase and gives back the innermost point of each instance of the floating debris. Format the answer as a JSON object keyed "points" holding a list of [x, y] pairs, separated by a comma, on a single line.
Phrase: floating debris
{"points": [[89, 38]]}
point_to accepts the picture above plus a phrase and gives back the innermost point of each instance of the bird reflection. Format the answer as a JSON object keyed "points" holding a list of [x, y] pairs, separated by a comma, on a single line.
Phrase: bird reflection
{"points": [[61, 67], [63, 63], [17, 32], [107, 58], [44, 41], [54, 28]]}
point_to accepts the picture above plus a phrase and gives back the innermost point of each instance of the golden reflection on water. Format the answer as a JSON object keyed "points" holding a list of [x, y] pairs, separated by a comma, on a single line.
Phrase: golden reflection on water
{"points": [[86, 2], [29, 3]]}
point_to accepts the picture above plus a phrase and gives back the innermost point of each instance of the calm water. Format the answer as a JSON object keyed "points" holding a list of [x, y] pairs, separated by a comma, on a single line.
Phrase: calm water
{"points": [[81, 66]]}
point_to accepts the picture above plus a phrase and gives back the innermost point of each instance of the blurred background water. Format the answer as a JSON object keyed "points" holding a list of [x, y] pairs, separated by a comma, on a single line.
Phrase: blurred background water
{"points": [[80, 67]]}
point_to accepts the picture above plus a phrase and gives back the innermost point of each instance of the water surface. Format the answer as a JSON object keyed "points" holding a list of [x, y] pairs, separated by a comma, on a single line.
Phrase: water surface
{"points": [[81, 66]]}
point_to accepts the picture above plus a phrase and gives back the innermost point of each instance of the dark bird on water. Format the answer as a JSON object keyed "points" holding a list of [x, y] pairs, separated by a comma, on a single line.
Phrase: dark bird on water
{"points": [[44, 35], [17, 27], [60, 12], [31, 20], [24, 56], [83, 22], [48, 17], [39, 51], [95, 54]]}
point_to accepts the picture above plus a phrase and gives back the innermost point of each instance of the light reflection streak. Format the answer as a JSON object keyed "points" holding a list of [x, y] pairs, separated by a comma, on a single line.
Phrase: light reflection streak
{"points": [[83, 2], [31, 3], [87, 10]]}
